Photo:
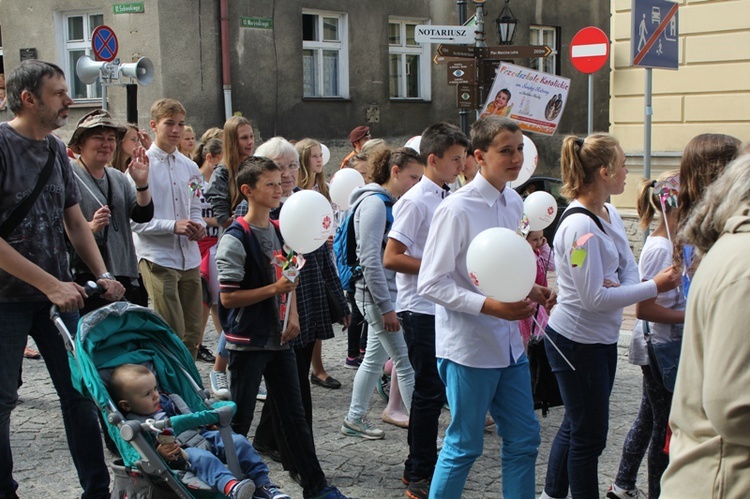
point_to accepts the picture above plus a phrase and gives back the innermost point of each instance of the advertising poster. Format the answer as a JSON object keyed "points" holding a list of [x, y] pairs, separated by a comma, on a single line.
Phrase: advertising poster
{"points": [[535, 100]]}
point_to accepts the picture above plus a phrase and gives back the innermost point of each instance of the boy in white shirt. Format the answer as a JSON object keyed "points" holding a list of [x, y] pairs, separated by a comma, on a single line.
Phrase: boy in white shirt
{"points": [[443, 147], [168, 255], [478, 344]]}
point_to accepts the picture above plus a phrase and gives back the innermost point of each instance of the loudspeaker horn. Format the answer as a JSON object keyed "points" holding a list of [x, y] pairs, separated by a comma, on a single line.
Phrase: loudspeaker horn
{"points": [[142, 70], [88, 70]]}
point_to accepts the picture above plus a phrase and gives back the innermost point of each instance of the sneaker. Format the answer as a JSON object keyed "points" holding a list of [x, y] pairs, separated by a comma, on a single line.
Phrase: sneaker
{"points": [[616, 492], [206, 355], [262, 393], [220, 385], [361, 428], [384, 386], [330, 493], [418, 489], [353, 362], [243, 490], [269, 491]]}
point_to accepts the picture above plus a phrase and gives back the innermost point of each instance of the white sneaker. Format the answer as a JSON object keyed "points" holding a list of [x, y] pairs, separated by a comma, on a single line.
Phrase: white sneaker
{"points": [[220, 385], [616, 492], [361, 428]]}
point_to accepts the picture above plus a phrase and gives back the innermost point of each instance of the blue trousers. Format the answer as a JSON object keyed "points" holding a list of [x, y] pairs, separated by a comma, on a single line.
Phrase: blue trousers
{"points": [[582, 437], [506, 393], [17, 321], [210, 466]]}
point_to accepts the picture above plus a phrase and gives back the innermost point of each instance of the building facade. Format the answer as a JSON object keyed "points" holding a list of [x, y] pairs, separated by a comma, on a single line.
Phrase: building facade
{"points": [[708, 93], [298, 68]]}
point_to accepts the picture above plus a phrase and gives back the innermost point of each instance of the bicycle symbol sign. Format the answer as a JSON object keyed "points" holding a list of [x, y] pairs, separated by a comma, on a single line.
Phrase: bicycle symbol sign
{"points": [[104, 43]]}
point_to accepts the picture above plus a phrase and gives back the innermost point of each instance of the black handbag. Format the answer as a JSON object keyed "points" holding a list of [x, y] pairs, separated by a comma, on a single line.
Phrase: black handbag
{"points": [[335, 309], [544, 386]]}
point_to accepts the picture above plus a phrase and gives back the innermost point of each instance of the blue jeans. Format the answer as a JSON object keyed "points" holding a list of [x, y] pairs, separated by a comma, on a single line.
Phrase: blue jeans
{"points": [[279, 369], [582, 437], [210, 466], [506, 393], [17, 321], [381, 344], [429, 394]]}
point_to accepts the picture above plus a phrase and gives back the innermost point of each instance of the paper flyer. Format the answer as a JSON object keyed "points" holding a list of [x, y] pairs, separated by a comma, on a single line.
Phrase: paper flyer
{"points": [[535, 100]]}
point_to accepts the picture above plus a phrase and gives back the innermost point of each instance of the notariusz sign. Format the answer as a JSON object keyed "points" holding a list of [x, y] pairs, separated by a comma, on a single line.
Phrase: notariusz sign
{"points": [[427, 33]]}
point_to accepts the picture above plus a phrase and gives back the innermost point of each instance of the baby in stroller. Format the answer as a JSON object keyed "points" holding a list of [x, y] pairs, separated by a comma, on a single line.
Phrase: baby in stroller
{"points": [[134, 388]]}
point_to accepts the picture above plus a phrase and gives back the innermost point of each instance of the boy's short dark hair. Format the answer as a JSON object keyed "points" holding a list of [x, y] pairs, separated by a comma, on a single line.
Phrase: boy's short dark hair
{"points": [[166, 108], [484, 130], [28, 76], [251, 168], [437, 138]]}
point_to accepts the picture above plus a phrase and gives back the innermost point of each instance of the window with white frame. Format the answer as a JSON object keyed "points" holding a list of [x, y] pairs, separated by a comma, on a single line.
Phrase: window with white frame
{"points": [[325, 54], [550, 36], [408, 62], [76, 29]]}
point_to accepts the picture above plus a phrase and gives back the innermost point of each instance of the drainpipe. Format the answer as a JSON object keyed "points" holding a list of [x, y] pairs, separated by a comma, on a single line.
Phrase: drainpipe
{"points": [[226, 73]]}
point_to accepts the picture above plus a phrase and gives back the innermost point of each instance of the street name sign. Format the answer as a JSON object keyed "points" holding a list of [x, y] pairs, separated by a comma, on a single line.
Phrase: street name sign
{"points": [[589, 50], [517, 52], [427, 33], [654, 39], [458, 51]]}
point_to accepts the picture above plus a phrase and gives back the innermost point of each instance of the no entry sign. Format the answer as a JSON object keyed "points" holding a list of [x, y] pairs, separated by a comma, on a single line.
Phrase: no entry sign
{"points": [[104, 43], [589, 50]]}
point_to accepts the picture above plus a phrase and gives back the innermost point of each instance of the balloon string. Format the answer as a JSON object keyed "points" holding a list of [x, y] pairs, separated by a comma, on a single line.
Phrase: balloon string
{"points": [[544, 333]]}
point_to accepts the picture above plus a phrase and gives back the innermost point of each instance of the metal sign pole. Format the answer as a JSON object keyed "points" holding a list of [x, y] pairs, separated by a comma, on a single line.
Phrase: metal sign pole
{"points": [[463, 114], [591, 105], [648, 112]]}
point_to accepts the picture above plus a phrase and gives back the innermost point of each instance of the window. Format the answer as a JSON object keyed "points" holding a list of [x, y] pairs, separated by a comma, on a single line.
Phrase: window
{"points": [[408, 62], [325, 58], [550, 36], [76, 29], [2, 73]]}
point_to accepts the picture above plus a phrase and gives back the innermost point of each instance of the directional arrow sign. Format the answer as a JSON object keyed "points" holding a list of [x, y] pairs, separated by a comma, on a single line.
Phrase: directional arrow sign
{"points": [[426, 33], [520, 52], [458, 51]]}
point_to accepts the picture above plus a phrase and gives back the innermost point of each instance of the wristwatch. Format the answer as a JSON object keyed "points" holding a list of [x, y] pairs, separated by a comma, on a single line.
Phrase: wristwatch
{"points": [[106, 275]]}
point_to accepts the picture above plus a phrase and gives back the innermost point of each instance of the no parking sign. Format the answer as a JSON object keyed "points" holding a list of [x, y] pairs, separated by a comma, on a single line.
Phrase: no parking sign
{"points": [[104, 43]]}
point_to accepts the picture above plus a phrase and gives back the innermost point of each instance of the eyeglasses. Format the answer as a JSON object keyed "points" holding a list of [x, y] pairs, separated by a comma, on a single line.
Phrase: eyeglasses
{"points": [[294, 165]]}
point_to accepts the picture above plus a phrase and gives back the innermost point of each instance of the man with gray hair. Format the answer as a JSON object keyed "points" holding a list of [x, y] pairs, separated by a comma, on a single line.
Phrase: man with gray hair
{"points": [[38, 205]]}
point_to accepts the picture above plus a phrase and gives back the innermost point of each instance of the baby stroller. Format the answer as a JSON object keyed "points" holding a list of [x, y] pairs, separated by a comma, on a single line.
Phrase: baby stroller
{"points": [[122, 333]]}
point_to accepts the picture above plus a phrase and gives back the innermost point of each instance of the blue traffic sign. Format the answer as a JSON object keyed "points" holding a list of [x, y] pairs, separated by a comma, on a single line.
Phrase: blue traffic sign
{"points": [[654, 37], [104, 43]]}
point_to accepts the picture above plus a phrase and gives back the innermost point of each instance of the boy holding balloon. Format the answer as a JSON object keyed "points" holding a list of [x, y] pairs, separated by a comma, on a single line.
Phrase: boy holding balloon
{"points": [[443, 147], [251, 313], [478, 345]]}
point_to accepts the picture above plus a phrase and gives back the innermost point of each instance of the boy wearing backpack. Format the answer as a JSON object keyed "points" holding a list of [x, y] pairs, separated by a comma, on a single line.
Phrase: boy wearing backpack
{"points": [[393, 173], [251, 313], [444, 148]]}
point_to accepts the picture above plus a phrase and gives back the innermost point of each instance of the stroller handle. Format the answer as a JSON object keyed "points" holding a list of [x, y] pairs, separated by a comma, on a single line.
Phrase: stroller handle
{"points": [[92, 289]]}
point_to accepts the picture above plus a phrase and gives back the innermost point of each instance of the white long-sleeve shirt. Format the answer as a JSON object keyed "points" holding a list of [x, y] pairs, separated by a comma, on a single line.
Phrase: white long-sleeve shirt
{"points": [[172, 179], [586, 311], [412, 216], [463, 334]]}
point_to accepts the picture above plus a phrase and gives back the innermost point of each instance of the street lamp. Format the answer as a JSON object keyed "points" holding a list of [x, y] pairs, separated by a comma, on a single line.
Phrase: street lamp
{"points": [[506, 25]]}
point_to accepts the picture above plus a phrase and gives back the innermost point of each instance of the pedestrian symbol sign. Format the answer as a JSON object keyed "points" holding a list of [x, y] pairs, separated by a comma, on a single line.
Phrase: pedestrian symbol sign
{"points": [[654, 38]]}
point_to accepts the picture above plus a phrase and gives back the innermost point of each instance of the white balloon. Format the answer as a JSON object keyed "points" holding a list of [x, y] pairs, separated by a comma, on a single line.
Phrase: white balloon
{"points": [[541, 209], [414, 142], [501, 264], [530, 160], [306, 221], [326, 154], [343, 183]]}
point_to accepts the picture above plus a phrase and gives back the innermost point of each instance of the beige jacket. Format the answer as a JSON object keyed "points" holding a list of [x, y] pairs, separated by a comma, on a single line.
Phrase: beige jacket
{"points": [[710, 418]]}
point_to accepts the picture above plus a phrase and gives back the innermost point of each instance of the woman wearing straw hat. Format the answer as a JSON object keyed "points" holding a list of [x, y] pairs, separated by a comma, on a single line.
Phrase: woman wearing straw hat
{"points": [[108, 201]]}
